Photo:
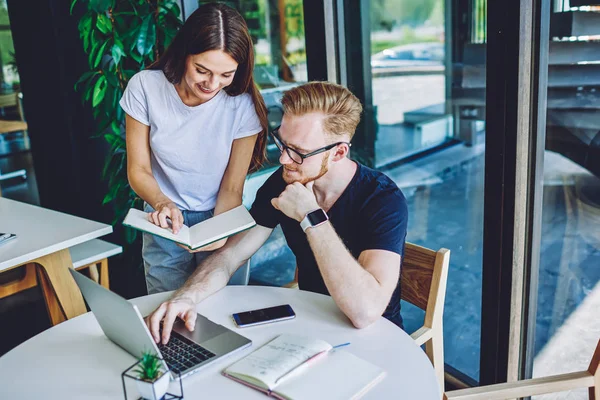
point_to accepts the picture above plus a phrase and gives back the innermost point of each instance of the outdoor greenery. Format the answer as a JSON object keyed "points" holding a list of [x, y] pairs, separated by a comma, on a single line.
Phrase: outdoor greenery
{"points": [[149, 367], [412, 22], [380, 45], [120, 37], [385, 14]]}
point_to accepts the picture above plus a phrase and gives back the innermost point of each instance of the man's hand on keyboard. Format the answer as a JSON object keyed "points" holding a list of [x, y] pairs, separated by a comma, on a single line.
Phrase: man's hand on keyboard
{"points": [[179, 306]]}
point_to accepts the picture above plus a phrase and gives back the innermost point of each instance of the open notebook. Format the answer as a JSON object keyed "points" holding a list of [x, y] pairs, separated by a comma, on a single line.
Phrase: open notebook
{"points": [[298, 367], [216, 228]]}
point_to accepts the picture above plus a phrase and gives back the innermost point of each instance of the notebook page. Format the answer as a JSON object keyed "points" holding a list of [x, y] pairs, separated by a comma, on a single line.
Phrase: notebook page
{"points": [[278, 357], [220, 226], [339, 375]]}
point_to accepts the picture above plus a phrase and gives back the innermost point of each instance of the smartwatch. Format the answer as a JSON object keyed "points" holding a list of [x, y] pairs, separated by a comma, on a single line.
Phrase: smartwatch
{"points": [[314, 218]]}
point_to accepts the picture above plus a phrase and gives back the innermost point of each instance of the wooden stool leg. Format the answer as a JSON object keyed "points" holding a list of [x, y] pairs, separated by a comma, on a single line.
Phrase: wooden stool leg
{"points": [[62, 296], [93, 270], [104, 281]]}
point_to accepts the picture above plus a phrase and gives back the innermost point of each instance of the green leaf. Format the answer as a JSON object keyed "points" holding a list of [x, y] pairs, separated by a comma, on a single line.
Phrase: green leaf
{"points": [[136, 57], [85, 23], [111, 78], [173, 8], [99, 55], [114, 140], [125, 13], [112, 193], [84, 27], [88, 93], [129, 73], [130, 234], [85, 77], [117, 51], [72, 5], [107, 105], [100, 6], [103, 23], [116, 128], [99, 91], [107, 166], [169, 36], [92, 53], [146, 36]]}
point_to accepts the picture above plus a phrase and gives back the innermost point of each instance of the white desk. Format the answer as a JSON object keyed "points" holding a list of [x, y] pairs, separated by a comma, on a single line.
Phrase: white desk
{"points": [[75, 360], [44, 237]]}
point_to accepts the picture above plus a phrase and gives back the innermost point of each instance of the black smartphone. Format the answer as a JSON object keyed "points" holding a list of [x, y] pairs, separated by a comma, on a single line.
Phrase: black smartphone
{"points": [[264, 316]]}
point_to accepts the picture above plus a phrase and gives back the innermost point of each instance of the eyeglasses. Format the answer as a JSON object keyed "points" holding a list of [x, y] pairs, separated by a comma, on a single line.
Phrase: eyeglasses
{"points": [[295, 156]]}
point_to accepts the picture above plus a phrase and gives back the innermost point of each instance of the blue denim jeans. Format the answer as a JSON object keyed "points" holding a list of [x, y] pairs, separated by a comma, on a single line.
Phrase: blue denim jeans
{"points": [[167, 265]]}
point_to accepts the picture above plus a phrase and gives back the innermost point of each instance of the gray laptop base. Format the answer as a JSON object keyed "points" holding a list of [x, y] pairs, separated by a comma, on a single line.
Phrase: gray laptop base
{"points": [[123, 324]]}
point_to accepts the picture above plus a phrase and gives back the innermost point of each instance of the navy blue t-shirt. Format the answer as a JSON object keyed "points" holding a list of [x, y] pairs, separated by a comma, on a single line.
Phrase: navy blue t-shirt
{"points": [[371, 213]]}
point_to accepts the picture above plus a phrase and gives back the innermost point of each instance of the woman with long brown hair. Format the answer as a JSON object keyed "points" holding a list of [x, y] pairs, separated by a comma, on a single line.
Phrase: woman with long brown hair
{"points": [[195, 125]]}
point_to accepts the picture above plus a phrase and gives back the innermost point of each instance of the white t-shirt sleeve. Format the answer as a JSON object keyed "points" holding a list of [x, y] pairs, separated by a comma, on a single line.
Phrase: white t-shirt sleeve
{"points": [[134, 101], [250, 124]]}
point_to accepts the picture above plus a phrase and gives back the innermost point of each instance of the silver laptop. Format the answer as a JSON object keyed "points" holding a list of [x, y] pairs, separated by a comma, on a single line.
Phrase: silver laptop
{"points": [[186, 351]]}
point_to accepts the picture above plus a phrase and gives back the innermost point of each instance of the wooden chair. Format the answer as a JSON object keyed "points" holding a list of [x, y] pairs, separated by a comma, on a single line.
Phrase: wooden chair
{"points": [[537, 386], [423, 281], [92, 255]]}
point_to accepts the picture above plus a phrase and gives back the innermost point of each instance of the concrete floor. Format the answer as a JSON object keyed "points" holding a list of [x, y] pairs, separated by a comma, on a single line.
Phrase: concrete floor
{"points": [[445, 196]]}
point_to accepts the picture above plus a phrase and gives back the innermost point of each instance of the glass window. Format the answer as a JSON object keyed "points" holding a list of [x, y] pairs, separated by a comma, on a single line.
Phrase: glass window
{"points": [[429, 96], [567, 325]]}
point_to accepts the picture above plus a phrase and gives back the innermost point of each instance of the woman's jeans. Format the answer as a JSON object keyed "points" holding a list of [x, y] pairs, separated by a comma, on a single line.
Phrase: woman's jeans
{"points": [[167, 265]]}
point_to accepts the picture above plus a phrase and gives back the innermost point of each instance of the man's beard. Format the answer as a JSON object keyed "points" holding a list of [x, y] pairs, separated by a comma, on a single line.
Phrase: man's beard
{"points": [[305, 179]]}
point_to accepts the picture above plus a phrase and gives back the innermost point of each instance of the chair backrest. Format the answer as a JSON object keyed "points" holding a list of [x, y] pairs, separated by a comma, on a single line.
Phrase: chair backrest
{"points": [[422, 270]]}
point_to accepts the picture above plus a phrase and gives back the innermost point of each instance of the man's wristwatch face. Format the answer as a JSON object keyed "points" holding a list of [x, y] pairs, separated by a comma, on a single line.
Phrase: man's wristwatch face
{"points": [[313, 218], [316, 217]]}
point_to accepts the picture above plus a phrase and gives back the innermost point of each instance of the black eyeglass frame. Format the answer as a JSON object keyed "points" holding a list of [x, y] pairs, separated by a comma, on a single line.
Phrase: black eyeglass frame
{"points": [[278, 141]]}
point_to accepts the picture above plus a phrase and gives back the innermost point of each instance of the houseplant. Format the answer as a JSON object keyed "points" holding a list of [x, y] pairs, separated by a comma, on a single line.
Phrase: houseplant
{"points": [[120, 37], [153, 379]]}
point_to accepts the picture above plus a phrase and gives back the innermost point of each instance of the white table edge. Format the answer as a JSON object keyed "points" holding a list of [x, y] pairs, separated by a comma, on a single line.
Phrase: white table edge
{"points": [[105, 230]]}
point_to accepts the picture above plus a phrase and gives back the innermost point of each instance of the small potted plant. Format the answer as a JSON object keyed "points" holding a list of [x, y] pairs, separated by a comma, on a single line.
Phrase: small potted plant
{"points": [[153, 380]]}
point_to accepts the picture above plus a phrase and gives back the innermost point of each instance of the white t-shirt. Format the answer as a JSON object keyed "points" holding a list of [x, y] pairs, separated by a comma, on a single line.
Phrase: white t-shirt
{"points": [[190, 146]]}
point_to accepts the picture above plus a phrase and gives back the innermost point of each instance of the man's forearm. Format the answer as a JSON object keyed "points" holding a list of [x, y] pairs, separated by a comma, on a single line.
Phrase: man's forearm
{"points": [[356, 292], [209, 277]]}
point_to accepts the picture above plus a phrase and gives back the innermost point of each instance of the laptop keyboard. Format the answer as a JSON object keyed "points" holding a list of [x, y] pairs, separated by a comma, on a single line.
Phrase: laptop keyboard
{"points": [[180, 353]]}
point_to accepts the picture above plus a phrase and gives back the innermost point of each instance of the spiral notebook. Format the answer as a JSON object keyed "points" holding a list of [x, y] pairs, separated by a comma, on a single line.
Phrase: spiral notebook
{"points": [[293, 367]]}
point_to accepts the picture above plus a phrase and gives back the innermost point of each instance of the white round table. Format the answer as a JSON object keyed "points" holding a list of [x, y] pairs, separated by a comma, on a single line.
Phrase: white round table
{"points": [[74, 360]]}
